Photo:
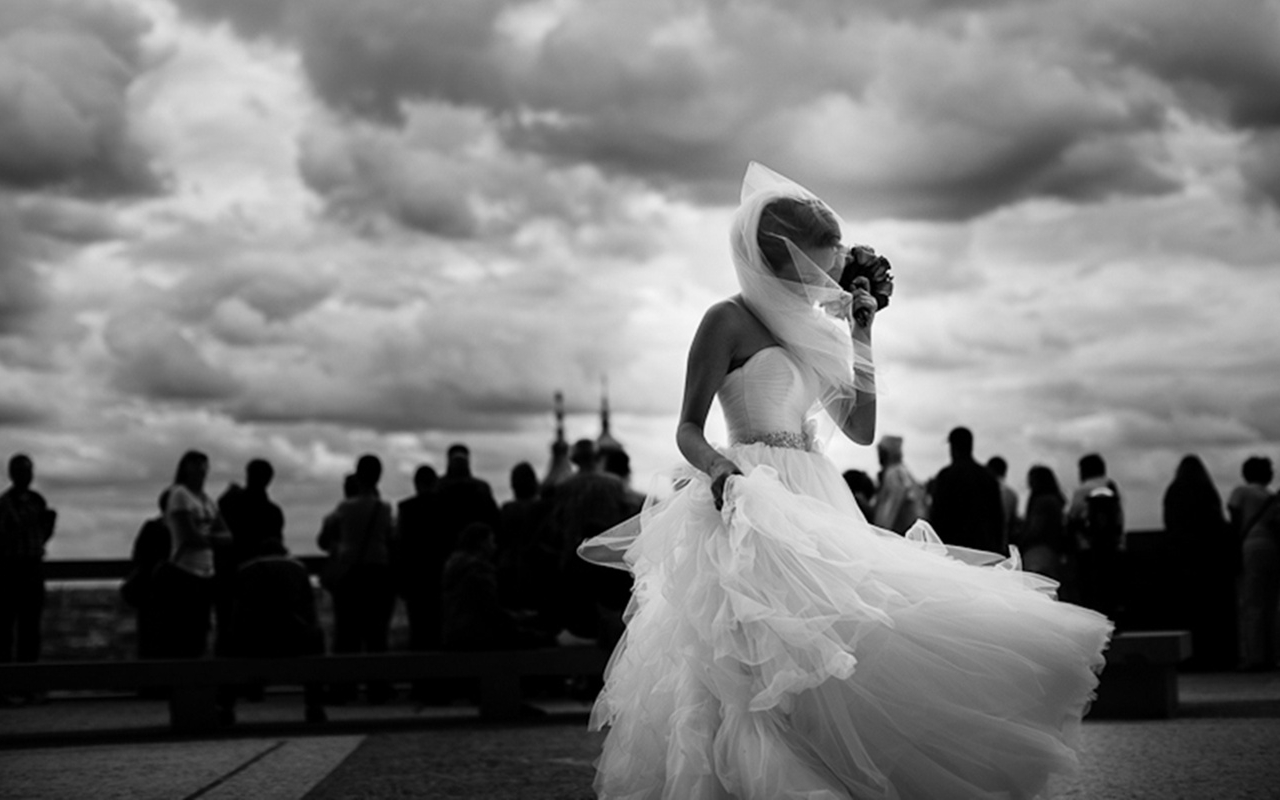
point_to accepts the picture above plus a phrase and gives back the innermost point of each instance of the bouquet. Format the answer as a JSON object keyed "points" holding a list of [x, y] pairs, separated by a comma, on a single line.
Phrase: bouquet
{"points": [[862, 263]]}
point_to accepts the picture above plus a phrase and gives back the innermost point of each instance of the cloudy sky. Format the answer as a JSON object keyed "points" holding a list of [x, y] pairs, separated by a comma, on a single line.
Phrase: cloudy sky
{"points": [[308, 229]]}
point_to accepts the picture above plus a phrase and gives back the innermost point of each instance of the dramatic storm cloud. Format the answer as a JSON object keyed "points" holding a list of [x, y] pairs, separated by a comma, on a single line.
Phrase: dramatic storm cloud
{"points": [[308, 229], [65, 73], [930, 115]]}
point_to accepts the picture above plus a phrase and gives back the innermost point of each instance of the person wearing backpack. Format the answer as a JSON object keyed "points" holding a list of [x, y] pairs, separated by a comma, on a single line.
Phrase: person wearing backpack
{"points": [[1095, 519], [358, 577]]}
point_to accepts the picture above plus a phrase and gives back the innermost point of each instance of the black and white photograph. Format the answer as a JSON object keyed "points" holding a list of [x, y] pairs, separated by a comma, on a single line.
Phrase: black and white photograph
{"points": [[671, 400]]}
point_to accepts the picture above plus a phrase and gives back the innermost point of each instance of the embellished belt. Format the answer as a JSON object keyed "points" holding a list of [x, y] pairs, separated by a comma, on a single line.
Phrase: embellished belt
{"points": [[793, 440]]}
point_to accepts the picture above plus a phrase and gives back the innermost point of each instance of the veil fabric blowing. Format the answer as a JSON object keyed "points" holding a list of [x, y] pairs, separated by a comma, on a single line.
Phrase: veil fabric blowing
{"points": [[798, 313], [803, 314]]}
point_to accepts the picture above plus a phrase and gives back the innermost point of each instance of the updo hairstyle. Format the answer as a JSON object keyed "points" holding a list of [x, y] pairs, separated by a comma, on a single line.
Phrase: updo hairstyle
{"points": [[806, 223]]}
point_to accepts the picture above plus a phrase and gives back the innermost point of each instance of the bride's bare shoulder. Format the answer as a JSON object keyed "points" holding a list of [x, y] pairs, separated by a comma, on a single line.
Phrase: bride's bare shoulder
{"points": [[728, 313], [730, 326]]}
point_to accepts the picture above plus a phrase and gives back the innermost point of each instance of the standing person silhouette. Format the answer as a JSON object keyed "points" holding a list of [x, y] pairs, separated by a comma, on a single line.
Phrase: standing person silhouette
{"points": [[999, 468], [151, 548], [1254, 519], [780, 646], [357, 536], [864, 490], [900, 499], [26, 525], [966, 507], [592, 500], [419, 559], [183, 585], [256, 523], [1095, 518], [1042, 537], [1207, 560], [1246, 501], [1260, 591], [462, 498], [518, 559]]}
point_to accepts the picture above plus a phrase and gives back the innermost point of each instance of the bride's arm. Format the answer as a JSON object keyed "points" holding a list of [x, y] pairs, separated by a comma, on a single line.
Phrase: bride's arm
{"points": [[709, 358], [860, 424], [856, 415]]}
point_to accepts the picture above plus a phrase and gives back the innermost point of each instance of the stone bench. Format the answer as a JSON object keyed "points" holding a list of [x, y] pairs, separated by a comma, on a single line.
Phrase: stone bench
{"points": [[1141, 676], [194, 684]]}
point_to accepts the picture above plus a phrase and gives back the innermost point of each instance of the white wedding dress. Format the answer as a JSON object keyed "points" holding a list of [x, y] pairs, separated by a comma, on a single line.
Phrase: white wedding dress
{"points": [[786, 648]]}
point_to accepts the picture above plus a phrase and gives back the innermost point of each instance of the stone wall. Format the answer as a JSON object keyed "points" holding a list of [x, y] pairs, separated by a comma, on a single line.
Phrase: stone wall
{"points": [[87, 621]]}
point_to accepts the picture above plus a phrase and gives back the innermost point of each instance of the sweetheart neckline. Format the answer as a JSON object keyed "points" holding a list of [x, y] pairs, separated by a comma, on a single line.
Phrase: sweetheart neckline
{"points": [[752, 357]]}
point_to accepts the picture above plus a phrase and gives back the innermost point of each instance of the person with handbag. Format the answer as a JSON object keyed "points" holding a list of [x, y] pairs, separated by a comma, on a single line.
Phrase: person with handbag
{"points": [[358, 573], [182, 586]]}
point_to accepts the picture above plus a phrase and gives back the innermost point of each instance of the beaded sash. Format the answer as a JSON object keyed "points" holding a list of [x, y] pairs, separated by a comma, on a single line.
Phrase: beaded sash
{"points": [[792, 440]]}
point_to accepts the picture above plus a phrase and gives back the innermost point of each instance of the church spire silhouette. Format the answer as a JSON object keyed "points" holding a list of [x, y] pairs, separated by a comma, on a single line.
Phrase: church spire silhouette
{"points": [[606, 440], [559, 409], [560, 467]]}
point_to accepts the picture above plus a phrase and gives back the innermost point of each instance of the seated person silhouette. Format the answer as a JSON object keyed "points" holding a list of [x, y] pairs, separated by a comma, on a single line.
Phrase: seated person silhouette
{"points": [[275, 616], [473, 618]]}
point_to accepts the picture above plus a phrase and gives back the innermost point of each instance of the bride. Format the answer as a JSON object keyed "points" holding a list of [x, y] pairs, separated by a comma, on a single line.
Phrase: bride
{"points": [[777, 644]]}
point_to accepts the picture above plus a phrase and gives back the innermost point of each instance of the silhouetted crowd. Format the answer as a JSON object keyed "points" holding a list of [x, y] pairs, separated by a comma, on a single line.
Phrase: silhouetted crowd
{"points": [[1221, 564], [474, 575]]}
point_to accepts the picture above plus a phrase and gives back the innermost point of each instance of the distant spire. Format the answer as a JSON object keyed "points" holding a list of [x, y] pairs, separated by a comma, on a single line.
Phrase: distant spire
{"points": [[560, 467], [559, 406], [606, 440]]}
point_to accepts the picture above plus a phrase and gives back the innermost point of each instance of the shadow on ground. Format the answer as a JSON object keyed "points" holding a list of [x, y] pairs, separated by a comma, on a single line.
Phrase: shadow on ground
{"points": [[1230, 709], [529, 762]]}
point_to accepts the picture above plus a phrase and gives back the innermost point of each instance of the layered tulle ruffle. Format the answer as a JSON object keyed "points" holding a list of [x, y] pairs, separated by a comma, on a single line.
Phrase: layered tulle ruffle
{"points": [[786, 648]]}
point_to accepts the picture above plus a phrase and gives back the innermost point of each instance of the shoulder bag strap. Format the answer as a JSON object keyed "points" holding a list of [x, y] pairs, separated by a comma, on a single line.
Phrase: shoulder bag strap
{"points": [[1258, 515], [368, 528]]}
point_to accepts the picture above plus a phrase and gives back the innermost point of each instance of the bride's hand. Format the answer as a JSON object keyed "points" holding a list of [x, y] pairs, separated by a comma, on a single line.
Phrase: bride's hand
{"points": [[720, 472], [864, 306]]}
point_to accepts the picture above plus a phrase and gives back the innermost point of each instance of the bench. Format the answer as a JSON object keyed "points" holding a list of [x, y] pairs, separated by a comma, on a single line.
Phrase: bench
{"points": [[1141, 676], [194, 684]]}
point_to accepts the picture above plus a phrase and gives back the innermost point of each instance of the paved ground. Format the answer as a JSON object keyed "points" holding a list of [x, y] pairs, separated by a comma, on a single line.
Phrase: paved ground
{"points": [[262, 769], [91, 746], [503, 764], [1225, 745]]}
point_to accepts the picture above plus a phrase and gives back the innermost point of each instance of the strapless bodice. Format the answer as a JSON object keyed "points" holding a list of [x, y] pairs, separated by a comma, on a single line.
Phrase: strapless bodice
{"points": [[767, 400]]}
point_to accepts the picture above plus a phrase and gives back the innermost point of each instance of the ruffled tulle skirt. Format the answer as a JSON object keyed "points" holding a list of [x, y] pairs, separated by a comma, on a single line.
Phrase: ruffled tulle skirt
{"points": [[785, 648]]}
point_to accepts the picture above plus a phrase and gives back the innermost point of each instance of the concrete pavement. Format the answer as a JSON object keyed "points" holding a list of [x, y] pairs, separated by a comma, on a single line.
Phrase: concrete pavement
{"points": [[99, 746], [1225, 745], [262, 769]]}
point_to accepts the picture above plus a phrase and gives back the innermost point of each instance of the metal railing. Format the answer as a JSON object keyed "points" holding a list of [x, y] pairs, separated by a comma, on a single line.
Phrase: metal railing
{"points": [[97, 569], [1139, 541]]}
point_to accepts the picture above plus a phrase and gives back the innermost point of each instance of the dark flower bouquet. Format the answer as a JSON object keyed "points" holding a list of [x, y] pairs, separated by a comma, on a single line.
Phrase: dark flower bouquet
{"points": [[862, 263]]}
